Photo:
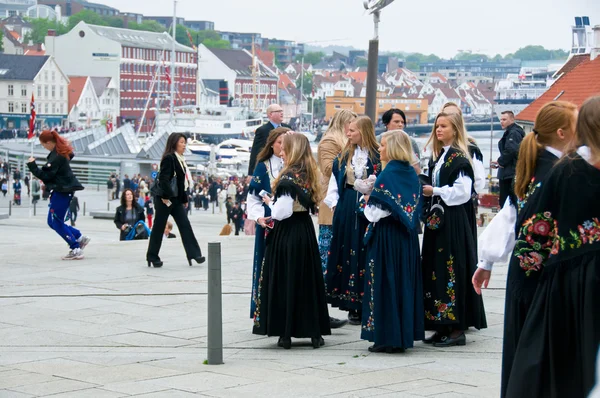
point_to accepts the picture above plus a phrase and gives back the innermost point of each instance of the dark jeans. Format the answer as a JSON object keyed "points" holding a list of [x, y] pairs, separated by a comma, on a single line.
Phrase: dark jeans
{"points": [[73, 217], [179, 214], [239, 224], [59, 204], [507, 190]]}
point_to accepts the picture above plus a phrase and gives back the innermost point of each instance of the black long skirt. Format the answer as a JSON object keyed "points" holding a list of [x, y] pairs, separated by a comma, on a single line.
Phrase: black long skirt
{"points": [[556, 354], [520, 290], [449, 262], [291, 293]]}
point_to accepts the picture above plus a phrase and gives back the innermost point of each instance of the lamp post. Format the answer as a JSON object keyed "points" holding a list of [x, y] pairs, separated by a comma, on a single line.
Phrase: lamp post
{"points": [[373, 7]]}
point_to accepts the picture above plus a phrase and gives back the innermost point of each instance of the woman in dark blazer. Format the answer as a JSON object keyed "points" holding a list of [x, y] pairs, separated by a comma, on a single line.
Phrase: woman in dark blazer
{"points": [[128, 214], [168, 203]]}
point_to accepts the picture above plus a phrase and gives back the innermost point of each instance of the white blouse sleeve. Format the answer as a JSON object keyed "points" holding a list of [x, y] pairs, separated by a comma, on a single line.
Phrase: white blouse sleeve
{"points": [[255, 207], [458, 194], [374, 213], [283, 208], [332, 193], [479, 172], [497, 241]]}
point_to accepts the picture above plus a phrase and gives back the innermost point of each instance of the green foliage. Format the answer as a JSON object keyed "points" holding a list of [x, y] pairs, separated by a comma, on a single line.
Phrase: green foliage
{"points": [[362, 62], [211, 43], [147, 26], [89, 17], [413, 60], [308, 83], [532, 53], [40, 27], [209, 38], [312, 58], [319, 108], [468, 56]]}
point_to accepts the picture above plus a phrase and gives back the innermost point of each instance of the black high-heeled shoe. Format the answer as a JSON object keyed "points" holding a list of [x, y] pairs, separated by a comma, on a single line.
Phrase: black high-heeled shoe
{"points": [[285, 342], [199, 260], [155, 264], [317, 342]]}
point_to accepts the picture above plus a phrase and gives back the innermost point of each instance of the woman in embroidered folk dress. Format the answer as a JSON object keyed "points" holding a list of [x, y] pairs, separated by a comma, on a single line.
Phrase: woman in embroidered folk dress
{"points": [[347, 255], [393, 301], [291, 293], [555, 355], [269, 164], [553, 134], [450, 247]]}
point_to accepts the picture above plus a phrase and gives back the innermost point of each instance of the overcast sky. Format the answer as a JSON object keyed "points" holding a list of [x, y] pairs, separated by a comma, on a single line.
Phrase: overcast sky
{"points": [[434, 26]]}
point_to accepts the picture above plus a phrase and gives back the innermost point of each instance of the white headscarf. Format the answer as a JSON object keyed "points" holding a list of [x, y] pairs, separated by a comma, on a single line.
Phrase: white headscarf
{"points": [[186, 170]]}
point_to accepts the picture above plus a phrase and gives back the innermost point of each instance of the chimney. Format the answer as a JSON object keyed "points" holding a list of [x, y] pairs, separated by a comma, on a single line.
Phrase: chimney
{"points": [[596, 49]]}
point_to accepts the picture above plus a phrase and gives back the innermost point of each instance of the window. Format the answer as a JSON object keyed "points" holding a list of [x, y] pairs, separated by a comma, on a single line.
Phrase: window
{"points": [[45, 91], [53, 91], [53, 76], [11, 107], [11, 90], [53, 108], [23, 90], [62, 109], [62, 92], [39, 87], [46, 75], [46, 108], [24, 107]]}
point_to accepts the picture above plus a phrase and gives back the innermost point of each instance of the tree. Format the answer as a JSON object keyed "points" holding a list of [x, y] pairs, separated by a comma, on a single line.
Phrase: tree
{"points": [[212, 43], [312, 58], [40, 28], [415, 59], [87, 16], [533, 53], [308, 83], [468, 56], [147, 26]]}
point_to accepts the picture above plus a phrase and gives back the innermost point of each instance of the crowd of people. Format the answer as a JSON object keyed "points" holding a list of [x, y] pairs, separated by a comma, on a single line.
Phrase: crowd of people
{"points": [[373, 202]]}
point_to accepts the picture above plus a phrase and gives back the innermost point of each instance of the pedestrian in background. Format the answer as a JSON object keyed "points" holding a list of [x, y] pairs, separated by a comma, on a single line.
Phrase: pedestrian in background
{"points": [[509, 153], [73, 209]]}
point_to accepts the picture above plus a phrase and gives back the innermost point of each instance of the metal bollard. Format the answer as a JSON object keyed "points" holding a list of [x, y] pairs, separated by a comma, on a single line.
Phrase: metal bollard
{"points": [[84, 209], [10, 208], [215, 305], [213, 207], [34, 209], [108, 206], [98, 187]]}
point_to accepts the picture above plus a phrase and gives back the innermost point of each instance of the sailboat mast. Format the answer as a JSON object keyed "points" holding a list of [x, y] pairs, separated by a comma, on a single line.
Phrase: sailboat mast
{"points": [[173, 60], [254, 75]]}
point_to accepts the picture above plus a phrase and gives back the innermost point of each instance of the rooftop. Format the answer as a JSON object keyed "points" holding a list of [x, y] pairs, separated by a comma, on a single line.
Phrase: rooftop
{"points": [[240, 61], [20, 67], [576, 85], [75, 89], [137, 38]]}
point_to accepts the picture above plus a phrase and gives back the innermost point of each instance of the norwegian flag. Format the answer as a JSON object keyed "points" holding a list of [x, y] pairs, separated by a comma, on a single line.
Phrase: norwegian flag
{"points": [[168, 74], [31, 133]]}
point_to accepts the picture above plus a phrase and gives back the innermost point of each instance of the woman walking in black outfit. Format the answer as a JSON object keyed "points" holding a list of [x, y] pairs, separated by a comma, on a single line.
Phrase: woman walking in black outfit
{"points": [[170, 203]]}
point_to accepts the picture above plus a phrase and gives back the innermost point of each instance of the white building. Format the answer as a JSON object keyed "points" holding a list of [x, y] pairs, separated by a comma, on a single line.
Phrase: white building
{"points": [[20, 76], [93, 101], [443, 95]]}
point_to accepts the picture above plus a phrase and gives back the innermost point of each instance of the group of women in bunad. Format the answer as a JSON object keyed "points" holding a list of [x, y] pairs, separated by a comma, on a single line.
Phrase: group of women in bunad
{"points": [[551, 239], [367, 260]]}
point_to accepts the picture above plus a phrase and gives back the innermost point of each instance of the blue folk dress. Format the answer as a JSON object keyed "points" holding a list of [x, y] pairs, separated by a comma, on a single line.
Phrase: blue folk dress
{"points": [[346, 261], [265, 174], [393, 302]]}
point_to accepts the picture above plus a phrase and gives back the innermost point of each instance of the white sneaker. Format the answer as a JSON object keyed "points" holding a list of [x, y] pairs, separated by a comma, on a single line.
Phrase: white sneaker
{"points": [[83, 241], [74, 254]]}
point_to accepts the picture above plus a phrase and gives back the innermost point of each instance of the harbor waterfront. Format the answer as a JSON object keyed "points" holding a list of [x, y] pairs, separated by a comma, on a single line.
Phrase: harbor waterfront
{"points": [[109, 326]]}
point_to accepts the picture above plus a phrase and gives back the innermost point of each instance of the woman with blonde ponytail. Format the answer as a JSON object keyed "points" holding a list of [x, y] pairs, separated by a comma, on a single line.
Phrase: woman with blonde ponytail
{"points": [[60, 180], [553, 134]]}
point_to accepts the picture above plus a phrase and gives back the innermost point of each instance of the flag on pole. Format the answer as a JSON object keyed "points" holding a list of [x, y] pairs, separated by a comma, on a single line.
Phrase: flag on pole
{"points": [[168, 75], [31, 133]]}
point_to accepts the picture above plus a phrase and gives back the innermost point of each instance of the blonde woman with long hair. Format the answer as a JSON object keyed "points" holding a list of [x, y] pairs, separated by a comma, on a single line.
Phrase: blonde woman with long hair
{"points": [[555, 355], [393, 301], [449, 242], [346, 260], [330, 146], [291, 292]]}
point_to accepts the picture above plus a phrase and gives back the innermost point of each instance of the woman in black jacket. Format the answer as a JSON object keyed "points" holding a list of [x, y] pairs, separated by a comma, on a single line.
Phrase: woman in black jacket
{"points": [[167, 202], [60, 180], [128, 214]]}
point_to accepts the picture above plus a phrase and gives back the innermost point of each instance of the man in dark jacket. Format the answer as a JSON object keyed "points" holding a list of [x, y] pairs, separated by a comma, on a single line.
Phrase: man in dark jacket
{"points": [[275, 115], [73, 209], [509, 153]]}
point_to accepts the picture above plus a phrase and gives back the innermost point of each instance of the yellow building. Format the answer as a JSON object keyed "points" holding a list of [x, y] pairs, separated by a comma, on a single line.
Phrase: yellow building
{"points": [[414, 109]]}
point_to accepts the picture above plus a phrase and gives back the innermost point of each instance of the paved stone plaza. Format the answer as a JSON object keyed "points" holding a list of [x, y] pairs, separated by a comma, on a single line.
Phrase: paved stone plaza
{"points": [[109, 326]]}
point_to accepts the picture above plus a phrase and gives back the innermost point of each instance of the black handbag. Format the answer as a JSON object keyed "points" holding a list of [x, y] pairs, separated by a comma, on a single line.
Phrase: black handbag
{"points": [[434, 219], [155, 189]]}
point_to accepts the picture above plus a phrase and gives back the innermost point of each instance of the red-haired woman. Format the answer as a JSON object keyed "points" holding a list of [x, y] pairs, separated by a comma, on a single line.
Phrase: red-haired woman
{"points": [[60, 180]]}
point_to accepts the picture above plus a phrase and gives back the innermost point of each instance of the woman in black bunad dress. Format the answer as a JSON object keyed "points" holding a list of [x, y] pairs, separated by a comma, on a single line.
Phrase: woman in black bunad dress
{"points": [[268, 166], [393, 301], [291, 293], [556, 352], [347, 256], [449, 254], [553, 133]]}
